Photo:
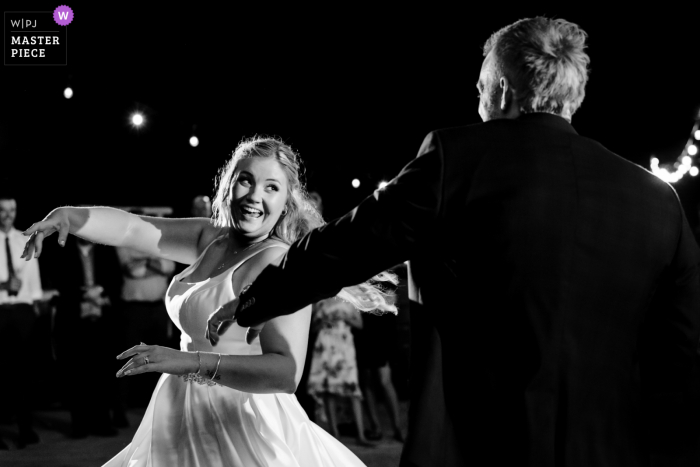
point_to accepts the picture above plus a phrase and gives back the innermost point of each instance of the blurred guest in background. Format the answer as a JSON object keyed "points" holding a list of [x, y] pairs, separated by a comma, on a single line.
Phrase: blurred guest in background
{"points": [[89, 282], [201, 206], [145, 279], [375, 341], [333, 372], [20, 289]]}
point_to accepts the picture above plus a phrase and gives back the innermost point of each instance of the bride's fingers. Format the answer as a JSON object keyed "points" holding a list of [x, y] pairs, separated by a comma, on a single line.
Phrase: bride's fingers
{"points": [[134, 351], [63, 231], [38, 243], [145, 368], [138, 360], [28, 252], [125, 367], [33, 228]]}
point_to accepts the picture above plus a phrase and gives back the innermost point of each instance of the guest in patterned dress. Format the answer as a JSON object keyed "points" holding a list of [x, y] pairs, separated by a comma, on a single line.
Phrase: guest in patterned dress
{"points": [[333, 372]]}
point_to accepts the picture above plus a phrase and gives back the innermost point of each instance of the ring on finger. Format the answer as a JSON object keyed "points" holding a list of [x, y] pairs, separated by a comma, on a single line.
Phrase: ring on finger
{"points": [[146, 361]]}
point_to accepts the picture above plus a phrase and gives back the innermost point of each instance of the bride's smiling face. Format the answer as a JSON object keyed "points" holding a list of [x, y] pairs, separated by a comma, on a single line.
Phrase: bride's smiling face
{"points": [[258, 195]]}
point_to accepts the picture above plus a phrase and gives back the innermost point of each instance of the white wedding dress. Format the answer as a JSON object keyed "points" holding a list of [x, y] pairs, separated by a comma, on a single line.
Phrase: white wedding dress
{"points": [[192, 425]]}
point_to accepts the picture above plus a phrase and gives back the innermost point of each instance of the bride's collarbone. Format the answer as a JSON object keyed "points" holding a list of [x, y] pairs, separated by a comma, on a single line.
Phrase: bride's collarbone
{"points": [[215, 262]]}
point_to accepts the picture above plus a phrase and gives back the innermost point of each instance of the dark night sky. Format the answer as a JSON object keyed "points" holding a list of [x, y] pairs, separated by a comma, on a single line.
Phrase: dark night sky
{"points": [[354, 89]]}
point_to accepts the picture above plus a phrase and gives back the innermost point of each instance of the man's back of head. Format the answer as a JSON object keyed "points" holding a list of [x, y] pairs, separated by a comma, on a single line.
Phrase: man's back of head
{"points": [[543, 63]]}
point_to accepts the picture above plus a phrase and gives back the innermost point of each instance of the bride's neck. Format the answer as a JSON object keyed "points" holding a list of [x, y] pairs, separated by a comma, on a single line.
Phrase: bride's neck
{"points": [[239, 242]]}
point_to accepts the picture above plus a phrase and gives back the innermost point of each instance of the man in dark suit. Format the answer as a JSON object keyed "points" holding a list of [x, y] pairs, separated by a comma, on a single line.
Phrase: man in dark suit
{"points": [[555, 290]]}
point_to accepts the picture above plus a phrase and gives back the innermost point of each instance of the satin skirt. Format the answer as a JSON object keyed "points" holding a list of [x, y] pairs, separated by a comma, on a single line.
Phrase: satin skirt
{"points": [[191, 425]]}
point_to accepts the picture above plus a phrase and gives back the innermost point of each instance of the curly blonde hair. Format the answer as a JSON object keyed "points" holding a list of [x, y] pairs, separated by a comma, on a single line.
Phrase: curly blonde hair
{"points": [[546, 62], [300, 217]]}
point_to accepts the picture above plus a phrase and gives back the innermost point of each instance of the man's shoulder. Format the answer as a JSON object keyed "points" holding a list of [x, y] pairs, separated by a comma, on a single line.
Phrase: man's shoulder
{"points": [[491, 130], [621, 167]]}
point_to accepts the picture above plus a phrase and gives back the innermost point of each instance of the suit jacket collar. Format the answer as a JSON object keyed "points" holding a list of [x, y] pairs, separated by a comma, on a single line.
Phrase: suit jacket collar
{"points": [[548, 120]]}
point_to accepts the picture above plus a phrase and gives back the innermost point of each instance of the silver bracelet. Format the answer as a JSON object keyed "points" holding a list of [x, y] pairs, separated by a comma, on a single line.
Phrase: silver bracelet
{"points": [[218, 362], [198, 378]]}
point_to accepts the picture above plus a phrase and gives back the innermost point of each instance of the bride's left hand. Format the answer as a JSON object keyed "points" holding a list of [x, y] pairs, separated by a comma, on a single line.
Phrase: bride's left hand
{"points": [[148, 358]]}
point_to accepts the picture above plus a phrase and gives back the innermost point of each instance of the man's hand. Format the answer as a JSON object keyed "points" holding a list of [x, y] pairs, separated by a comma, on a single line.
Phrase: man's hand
{"points": [[223, 318], [253, 332], [220, 321]]}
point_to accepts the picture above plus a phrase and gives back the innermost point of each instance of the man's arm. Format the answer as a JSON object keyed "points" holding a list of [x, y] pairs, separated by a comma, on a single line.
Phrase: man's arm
{"points": [[384, 230]]}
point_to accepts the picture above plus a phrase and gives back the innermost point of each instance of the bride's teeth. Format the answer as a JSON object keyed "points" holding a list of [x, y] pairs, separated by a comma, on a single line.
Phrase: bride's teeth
{"points": [[251, 211]]}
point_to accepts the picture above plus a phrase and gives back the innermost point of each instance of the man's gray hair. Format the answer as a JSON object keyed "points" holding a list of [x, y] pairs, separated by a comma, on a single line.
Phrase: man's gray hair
{"points": [[545, 61]]}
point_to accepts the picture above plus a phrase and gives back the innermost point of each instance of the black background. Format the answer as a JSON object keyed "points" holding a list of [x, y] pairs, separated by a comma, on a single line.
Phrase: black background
{"points": [[354, 88]]}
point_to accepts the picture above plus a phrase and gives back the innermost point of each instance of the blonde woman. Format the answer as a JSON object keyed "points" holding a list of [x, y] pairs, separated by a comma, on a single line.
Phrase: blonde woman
{"points": [[224, 402]]}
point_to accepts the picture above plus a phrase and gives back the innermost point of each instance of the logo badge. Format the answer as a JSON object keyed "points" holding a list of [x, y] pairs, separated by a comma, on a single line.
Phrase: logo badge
{"points": [[63, 15]]}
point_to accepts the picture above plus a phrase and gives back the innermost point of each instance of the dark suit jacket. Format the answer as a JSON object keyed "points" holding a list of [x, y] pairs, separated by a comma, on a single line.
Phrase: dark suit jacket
{"points": [[556, 293], [64, 272], [67, 277]]}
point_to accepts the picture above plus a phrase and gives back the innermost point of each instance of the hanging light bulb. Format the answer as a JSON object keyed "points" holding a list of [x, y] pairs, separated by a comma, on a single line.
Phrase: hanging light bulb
{"points": [[137, 119]]}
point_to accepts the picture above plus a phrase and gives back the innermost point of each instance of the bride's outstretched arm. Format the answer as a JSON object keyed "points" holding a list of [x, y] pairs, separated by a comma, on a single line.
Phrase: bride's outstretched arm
{"points": [[177, 239]]}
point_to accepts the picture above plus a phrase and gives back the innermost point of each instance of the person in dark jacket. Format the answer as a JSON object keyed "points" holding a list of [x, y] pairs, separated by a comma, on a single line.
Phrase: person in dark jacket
{"points": [[555, 290], [88, 279]]}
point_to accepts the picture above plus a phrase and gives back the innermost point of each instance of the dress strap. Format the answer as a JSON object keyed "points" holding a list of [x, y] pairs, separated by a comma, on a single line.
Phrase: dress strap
{"points": [[265, 244]]}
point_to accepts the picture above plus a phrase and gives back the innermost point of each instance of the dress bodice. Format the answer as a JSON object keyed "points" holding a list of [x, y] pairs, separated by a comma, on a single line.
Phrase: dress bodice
{"points": [[189, 305], [191, 425]]}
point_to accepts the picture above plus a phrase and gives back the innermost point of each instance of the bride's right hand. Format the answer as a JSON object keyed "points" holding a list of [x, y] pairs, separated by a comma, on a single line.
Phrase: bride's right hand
{"points": [[56, 221]]}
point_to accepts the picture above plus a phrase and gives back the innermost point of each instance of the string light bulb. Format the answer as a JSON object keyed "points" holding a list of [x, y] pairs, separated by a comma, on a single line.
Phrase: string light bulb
{"points": [[137, 119], [684, 163]]}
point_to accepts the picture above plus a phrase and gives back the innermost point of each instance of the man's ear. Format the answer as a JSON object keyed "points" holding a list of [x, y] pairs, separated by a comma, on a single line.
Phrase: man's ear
{"points": [[509, 100], [506, 94]]}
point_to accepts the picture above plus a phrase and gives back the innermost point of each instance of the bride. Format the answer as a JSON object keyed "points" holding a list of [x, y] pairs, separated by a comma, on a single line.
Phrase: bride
{"points": [[231, 404]]}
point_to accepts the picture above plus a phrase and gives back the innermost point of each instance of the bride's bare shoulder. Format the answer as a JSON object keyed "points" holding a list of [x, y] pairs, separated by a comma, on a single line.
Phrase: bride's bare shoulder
{"points": [[210, 234], [249, 270]]}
